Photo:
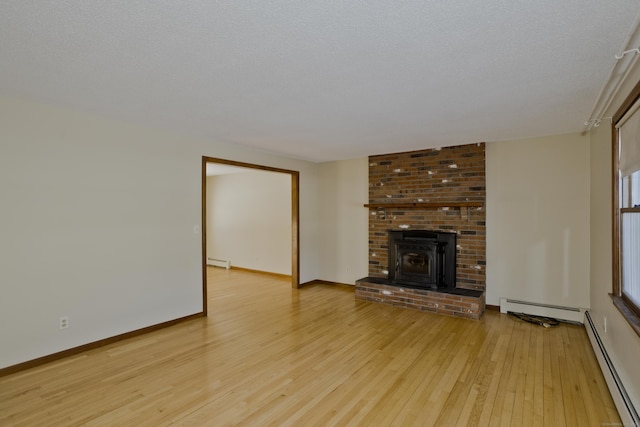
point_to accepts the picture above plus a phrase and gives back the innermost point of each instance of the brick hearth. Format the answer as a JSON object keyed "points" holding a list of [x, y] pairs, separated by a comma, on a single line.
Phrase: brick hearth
{"points": [[453, 175], [457, 302]]}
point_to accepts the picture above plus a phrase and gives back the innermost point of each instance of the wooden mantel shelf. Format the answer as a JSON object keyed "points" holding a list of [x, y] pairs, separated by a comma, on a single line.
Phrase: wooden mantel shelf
{"points": [[424, 205]]}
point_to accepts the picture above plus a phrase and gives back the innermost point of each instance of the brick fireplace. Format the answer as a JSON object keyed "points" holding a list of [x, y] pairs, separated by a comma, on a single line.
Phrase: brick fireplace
{"points": [[428, 191]]}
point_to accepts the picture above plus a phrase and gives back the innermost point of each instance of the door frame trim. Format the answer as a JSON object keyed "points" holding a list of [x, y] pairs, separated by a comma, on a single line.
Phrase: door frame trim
{"points": [[295, 218]]}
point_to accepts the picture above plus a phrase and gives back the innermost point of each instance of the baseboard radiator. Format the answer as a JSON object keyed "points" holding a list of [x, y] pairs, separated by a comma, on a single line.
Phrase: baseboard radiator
{"points": [[571, 314], [225, 263], [620, 397]]}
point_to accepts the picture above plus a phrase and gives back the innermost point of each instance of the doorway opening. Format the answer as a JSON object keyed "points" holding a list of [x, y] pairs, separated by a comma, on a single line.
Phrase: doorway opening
{"points": [[295, 225]]}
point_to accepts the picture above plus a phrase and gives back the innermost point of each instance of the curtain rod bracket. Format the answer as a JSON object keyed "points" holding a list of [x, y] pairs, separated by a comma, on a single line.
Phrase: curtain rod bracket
{"points": [[596, 122], [636, 50]]}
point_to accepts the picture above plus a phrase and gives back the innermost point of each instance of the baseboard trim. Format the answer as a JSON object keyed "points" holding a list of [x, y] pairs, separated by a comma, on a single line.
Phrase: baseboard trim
{"points": [[269, 273], [92, 345], [623, 403], [310, 283], [328, 282], [492, 307]]}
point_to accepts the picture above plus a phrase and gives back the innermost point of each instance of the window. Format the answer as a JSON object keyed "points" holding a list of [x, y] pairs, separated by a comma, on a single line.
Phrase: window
{"points": [[630, 237], [626, 237]]}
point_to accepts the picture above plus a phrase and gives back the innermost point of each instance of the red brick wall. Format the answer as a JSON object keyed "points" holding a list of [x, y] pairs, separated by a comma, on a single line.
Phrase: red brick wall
{"points": [[451, 174]]}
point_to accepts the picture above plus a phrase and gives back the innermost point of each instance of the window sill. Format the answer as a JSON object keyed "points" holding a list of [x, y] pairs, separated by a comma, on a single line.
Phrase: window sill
{"points": [[627, 313]]}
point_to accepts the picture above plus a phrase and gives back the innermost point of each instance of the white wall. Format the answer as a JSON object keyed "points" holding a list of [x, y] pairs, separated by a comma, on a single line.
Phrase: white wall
{"points": [[621, 342], [249, 220], [97, 223], [344, 238], [538, 220]]}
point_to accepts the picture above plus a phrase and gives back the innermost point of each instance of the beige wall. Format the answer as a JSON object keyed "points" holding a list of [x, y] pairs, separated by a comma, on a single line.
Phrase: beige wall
{"points": [[621, 342], [249, 220], [98, 224], [344, 189], [538, 220]]}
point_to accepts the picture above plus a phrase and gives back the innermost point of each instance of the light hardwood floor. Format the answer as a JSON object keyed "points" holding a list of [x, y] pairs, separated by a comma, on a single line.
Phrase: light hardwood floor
{"points": [[270, 355]]}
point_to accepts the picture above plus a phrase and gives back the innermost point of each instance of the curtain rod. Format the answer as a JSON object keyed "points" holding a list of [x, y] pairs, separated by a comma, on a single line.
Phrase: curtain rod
{"points": [[612, 84]]}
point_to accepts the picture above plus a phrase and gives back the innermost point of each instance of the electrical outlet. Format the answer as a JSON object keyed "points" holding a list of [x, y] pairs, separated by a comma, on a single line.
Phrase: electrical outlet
{"points": [[348, 268], [63, 322], [604, 322]]}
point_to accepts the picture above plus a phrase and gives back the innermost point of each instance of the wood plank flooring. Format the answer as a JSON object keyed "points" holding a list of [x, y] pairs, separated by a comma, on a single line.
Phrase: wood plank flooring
{"points": [[268, 355]]}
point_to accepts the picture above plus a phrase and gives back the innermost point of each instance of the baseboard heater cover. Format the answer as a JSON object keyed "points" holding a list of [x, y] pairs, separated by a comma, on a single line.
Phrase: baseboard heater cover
{"points": [[571, 314], [219, 263], [623, 403]]}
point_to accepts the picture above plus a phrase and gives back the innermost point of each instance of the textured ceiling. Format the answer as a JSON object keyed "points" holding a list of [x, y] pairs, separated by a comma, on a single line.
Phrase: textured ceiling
{"points": [[320, 80]]}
